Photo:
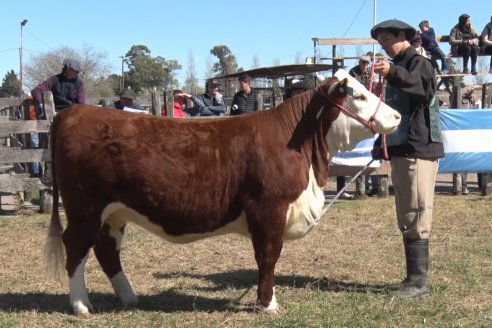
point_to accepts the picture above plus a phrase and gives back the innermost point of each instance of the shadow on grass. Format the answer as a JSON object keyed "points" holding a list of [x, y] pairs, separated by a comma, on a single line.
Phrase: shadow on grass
{"points": [[172, 300], [248, 278]]}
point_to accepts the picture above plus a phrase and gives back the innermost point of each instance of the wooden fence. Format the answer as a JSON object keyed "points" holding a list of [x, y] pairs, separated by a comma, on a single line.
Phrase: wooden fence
{"points": [[15, 153]]}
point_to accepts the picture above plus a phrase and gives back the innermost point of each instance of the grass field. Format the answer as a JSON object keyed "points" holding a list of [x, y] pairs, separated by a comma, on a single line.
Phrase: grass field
{"points": [[334, 277]]}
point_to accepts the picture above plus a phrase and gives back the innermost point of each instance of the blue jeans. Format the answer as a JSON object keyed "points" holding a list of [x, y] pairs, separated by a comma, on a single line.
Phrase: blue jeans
{"points": [[34, 144]]}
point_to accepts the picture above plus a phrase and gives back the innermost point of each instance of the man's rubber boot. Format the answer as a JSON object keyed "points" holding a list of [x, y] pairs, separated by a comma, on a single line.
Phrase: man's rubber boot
{"points": [[417, 258]]}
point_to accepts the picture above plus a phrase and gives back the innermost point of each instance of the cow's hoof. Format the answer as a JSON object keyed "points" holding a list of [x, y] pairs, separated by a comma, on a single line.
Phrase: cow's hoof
{"points": [[82, 310], [275, 311], [129, 301], [271, 309]]}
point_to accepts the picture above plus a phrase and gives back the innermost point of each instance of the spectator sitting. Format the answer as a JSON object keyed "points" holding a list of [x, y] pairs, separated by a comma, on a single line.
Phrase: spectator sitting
{"points": [[417, 44], [208, 104], [431, 46], [464, 42], [244, 100], [486, 38], [127, 98]]}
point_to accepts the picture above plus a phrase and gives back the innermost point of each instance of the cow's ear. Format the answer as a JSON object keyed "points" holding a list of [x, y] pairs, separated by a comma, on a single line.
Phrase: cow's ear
{"points": [[339, 89]]}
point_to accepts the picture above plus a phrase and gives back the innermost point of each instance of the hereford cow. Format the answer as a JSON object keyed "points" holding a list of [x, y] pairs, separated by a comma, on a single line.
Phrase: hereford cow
{"points": [[260, 175]]}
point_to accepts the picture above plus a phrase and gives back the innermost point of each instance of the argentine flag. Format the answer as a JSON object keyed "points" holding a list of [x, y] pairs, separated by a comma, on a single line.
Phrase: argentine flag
{"points": [[359, 156], [467, 138]]}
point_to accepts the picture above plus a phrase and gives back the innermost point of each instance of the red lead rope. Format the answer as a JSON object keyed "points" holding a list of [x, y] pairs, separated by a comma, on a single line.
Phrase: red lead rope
{"points": [[380, 91]]}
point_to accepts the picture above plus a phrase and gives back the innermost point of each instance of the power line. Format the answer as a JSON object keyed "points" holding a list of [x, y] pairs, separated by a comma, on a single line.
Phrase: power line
{"points": [[355, 18]]}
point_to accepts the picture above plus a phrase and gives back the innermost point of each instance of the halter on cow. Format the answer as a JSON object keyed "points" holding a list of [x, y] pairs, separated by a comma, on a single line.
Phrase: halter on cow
{"points": [[260, 175]]}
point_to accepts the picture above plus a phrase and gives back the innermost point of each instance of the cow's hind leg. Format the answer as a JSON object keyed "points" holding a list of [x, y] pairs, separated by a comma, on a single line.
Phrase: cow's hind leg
{"points": [[78, 242], [107, 250]]}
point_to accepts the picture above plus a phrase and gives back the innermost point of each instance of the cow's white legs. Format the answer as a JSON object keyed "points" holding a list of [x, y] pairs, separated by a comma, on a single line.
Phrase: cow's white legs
{"points": [[78, 291], [272, 308], [123, 289]]}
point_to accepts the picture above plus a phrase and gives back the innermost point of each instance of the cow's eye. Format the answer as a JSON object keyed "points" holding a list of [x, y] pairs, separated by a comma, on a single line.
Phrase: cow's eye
{"points": [[360, 97]]}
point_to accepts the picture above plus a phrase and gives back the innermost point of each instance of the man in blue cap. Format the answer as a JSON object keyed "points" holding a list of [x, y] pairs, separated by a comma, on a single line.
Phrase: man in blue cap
{"points": [[414, 149], [66, 87], [67, 90]]}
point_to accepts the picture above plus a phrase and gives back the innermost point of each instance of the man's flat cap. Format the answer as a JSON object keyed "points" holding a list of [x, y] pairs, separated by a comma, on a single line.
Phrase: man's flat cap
{"points": [[393, 25]]}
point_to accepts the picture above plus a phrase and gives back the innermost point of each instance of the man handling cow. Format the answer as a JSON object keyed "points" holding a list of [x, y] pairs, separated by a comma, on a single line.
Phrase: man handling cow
{"points": [[414, 148]]}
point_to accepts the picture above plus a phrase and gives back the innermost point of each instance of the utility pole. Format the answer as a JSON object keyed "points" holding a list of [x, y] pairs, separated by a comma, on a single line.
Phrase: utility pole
{"points": [[24, 22], [122, 84]]}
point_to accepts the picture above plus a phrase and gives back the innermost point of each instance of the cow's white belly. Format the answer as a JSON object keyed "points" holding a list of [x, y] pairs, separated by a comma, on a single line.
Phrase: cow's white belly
{"points": [[302, 216], [117, 214]]}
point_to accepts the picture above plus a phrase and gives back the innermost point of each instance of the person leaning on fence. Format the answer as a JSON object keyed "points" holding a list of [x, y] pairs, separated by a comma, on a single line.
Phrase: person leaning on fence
{"points": [[244, 101], [211, 103], [67, 88], [431, 46], [127, 99], [486, 40], [464, 42], [414, 149]]}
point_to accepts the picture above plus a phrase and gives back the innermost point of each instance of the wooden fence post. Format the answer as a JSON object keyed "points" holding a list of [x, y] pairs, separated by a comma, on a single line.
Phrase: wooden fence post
{"points": [[169, 103], [156, 104], [46, 195]]}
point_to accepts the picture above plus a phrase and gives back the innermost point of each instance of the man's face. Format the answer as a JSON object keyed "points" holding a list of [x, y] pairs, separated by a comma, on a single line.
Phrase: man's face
{"points": [[391, 44], [245, 87], [364, 65], [72, 74]]}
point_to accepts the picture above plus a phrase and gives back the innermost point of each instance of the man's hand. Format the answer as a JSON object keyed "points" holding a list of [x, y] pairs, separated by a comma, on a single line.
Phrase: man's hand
{"points": [[382, 68]]}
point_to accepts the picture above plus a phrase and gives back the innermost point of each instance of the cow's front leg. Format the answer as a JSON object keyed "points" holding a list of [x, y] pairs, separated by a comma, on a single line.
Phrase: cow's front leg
{"points": [[267, 238]]}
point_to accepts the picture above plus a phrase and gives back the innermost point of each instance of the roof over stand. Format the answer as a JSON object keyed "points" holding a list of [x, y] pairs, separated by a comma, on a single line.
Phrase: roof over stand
{"points": [[274, 72]]}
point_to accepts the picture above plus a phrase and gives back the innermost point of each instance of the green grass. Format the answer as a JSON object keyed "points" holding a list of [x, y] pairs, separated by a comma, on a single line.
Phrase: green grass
{"points": [[334, 277]]}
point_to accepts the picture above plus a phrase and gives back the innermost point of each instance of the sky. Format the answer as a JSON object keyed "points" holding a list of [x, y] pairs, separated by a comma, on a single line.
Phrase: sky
{"points": [[272, 31]]}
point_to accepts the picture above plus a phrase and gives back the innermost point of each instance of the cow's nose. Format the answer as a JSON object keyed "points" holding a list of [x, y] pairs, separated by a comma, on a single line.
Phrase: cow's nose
{"points": [[397, 116]]}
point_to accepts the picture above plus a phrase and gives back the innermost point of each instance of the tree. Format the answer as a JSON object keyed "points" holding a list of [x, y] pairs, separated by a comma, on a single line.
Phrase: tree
{"points": [[227, 61], [95, 69], [191, 80], [147, 74], [10, 85]]}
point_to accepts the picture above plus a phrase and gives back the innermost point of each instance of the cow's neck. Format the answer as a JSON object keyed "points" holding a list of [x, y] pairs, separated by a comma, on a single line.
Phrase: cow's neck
{"points": [[309, 119]]}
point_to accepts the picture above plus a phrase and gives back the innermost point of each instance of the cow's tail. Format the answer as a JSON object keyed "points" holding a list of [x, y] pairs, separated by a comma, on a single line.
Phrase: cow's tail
{"points": [[53, 250]]}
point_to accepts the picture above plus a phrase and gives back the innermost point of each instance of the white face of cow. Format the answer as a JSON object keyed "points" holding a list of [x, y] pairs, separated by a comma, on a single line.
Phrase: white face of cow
{"points": [[345, 132]]}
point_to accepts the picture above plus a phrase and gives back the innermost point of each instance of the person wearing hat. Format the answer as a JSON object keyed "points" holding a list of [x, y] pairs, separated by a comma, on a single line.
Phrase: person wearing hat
{"points": [[244, 101], [362, 72], [211, 103], [67, 87], [413, 149], [127, 99]]}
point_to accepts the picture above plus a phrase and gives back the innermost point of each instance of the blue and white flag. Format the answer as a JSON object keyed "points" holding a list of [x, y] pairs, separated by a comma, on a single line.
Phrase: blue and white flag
{"points": [[467, 138], [359, 156]]}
